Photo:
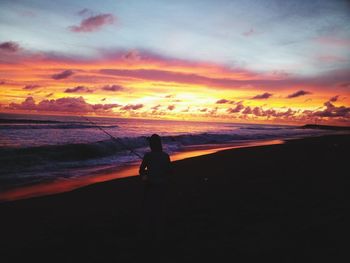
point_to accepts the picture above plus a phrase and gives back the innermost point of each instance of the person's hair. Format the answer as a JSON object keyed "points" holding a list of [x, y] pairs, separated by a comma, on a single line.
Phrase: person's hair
{"points": [[155, 143]]}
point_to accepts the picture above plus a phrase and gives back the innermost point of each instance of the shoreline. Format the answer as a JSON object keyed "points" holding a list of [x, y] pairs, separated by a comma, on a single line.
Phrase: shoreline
{"points": [[65, 185]]}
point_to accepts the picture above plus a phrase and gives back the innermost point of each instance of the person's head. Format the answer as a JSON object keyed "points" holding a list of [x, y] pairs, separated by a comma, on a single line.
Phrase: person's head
{"points": [[155, 143]]}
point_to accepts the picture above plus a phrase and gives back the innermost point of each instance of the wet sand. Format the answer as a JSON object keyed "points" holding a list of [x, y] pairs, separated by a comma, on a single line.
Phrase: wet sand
{"points": [[68, 184], [283, 202]]}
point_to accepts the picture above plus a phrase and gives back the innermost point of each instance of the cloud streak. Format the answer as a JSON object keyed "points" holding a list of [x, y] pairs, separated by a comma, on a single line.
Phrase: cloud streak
{"points": [[31, 87], [93, 23], [78, 89], [298, 94], [222, 101], [263, 96], [112, 88], [129, 107], [63, 75]]}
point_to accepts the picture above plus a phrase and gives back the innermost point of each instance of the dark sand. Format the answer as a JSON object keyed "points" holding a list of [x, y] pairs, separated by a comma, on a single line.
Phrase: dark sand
{"points": [[285, 203]]}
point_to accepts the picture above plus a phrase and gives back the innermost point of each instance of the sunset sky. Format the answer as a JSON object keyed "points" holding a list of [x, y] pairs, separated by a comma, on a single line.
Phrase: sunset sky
{"points": [[240, 61]]}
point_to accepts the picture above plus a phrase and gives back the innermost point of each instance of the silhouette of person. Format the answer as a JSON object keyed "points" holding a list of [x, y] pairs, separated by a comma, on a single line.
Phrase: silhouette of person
{"points": [[154, 171]]}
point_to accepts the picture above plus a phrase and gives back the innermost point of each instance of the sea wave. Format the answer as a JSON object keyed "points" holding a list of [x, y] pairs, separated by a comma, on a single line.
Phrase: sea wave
{"points": [[20, 124], [265, 128], [49, 162], [18, 121], [100, 149], [55, 126]]}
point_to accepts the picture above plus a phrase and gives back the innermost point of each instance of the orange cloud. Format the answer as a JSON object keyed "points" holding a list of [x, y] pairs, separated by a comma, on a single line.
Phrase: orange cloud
{"points": [[135, 83]]}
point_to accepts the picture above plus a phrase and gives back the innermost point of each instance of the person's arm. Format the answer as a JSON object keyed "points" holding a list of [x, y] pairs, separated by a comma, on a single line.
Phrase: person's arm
{"points": [[142, 169]]}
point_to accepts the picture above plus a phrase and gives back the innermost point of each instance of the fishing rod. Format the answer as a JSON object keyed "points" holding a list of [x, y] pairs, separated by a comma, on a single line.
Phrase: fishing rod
{"points": [[114, 138]]}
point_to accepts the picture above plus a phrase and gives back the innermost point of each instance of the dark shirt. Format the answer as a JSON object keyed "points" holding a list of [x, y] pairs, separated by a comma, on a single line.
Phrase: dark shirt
{"points": [[156, 166]]}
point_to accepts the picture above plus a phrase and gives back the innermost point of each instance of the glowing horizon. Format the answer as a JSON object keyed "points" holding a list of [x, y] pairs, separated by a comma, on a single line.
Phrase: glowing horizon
{"points": [[255, 72]]}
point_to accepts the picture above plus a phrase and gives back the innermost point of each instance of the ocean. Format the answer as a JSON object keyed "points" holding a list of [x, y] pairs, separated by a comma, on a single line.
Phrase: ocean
{"points": [[37, 148]]}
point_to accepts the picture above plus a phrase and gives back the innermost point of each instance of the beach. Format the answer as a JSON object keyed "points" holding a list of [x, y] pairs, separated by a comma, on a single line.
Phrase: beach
{"points": [[283, 201]]}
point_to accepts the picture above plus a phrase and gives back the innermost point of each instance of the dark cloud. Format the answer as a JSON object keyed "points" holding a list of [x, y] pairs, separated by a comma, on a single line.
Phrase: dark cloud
{"points": [[27, 104], [236, 103], [341, 114], [112, 88], [334, 99], [236, 109], [156, 107], [63, 75], [222, 101], [273, 113], [265, 95], [332, 111], [67, 104], [269, 113], [257, 111], [132, 107], [171, 107], [132, 56], [93, 23], [2, 82], [104, 107], [247, 110], [9, 46], [298, 94], [203, 110], [31, 87], [49, 95], [78, 89]]}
